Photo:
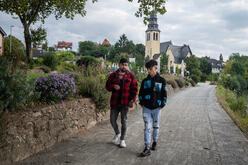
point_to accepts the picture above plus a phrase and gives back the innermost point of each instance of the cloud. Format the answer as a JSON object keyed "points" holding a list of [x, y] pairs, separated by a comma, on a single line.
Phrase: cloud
{"points": [[210, 27]]}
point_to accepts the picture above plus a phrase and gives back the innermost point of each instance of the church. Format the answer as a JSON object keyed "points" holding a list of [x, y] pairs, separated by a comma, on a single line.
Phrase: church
{"points": [[155, 49]]}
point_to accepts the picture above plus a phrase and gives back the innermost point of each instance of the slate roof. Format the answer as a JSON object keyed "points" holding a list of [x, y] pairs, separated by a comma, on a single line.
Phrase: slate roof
{"points": [[2, 32], [164, 46], [153, 24], [179, 52], [37, 53], [215, 63]]}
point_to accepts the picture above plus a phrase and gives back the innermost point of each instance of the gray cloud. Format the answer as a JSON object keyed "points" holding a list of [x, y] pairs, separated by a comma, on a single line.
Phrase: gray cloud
{"points": [[210, 27]]}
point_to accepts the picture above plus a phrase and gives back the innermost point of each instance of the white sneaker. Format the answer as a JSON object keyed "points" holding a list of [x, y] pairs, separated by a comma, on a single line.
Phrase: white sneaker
{"points": [[123, 144], [116, 138]]}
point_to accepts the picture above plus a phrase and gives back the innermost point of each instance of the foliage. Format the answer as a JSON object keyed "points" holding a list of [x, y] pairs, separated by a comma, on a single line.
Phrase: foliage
{"points": [[17, 50], [50, 59], [205, 66], [38, 36], [87, 61], [173, 83], [94, 87], [164, 63], [65, 56], [45, 69], [16, 89], [192, 82], [227, 68], [237, 68], [180, 82], [67, 67], [54, 87], [193, 66]]}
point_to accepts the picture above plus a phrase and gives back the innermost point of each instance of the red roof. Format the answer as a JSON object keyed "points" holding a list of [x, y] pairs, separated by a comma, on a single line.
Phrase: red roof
{"points": [[105, 42], [63, 44]]}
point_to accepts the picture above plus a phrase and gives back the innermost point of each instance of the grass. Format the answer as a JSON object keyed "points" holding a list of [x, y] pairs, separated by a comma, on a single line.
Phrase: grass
{"points": [[223, 96], [36, 75]]}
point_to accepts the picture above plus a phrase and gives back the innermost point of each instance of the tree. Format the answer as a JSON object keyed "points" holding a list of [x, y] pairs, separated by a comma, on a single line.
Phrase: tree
{"points": [[193, 66], [205, 66], [237, 69], [87, 48], [32, 11], [17, 50], [221, 57], [164, 63], [140, 48], [38, 36]]}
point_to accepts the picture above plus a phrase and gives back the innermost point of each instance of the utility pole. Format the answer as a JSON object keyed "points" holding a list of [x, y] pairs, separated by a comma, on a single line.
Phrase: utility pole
{"points": [[10, 39]]}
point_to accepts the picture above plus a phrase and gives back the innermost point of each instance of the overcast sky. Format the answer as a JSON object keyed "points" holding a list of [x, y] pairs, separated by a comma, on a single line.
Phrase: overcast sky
{"points": [[210, 27]]}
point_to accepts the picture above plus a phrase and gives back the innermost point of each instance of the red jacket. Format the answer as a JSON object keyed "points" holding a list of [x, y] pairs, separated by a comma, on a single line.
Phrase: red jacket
{"points": [[129, 88]]}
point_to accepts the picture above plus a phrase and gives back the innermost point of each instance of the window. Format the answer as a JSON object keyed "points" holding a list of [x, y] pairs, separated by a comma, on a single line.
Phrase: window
{"points": [[148, 37], [155, 36]]}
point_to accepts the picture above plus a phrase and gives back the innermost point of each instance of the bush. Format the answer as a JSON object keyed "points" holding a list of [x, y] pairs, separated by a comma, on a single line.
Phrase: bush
{"points": [[192, 82], [65, 56], [180, 82], [87, 61], [94, 87], [239, 105], [172, 83], [67, 67], [45, 69], [196, 78], [16, 89], [54, 87], [50, 60]]}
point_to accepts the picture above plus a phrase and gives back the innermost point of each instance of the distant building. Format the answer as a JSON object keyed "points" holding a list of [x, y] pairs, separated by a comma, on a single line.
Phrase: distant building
{"points": [[36, 53], [105, 42], [217, 65], [64, 46], [154, 49], [2, 35]]}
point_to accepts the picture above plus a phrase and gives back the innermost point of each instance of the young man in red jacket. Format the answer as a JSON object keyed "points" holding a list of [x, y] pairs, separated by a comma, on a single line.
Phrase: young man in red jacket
{"points": [[124, 87]]}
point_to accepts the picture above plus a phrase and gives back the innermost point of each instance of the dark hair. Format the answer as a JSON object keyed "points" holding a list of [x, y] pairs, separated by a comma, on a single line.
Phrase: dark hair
{"points": [[151, 63], [123, 60]]}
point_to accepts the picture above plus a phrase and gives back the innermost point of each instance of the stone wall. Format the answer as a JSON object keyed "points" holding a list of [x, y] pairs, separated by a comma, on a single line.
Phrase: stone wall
{"points": [[29, 132]]}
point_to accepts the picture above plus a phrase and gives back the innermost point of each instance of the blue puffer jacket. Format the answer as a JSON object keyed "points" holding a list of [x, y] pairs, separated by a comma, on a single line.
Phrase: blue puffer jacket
{"points": [[153, 92]]}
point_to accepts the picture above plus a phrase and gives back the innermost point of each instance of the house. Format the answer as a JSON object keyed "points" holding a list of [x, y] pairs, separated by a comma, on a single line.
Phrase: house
{"points": [[2, 35], [36, 53], [64, 46], [154, 49], [217, 65], [105, 42]]}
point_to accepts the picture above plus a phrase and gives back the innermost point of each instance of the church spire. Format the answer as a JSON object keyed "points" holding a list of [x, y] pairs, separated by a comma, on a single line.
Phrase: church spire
{"points": [[153, 25]]}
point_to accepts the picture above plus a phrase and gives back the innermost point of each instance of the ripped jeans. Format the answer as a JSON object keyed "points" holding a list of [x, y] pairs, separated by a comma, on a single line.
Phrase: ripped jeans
{"points": [[151, 118]]}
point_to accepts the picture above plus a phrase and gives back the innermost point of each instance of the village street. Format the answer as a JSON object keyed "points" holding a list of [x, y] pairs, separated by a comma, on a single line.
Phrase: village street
{"points": [[194, 130]]}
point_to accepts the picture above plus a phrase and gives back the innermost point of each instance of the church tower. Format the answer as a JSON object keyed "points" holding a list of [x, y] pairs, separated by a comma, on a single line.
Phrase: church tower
{"points": [[153, 40]]}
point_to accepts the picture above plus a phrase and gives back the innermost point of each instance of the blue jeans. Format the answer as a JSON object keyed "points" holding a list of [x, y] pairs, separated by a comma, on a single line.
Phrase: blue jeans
{"points": [[151, 118]]}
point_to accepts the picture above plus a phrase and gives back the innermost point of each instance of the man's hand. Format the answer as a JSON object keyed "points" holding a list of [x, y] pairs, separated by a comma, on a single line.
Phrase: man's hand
{"points": [[130, 104], [117, 87]]}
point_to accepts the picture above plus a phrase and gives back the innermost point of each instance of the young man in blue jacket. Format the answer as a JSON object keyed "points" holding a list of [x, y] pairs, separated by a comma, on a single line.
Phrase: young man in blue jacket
{"points": [[152, 96]]}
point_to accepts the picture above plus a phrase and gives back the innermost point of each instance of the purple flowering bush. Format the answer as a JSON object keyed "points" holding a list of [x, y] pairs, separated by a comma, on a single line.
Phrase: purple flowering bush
{"points": [[54, 87]]}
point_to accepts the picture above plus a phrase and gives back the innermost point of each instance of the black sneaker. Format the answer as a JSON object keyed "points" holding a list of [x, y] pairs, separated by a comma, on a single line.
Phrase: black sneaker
{"points": [[154, 144], [145, 153]]}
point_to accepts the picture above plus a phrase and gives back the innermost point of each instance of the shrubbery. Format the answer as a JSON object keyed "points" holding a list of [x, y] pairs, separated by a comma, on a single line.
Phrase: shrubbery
{"points": [[87, 61], [54, 87], [50, 59], [180, 82], [16, 89], [172, 83], [94, 87]]}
